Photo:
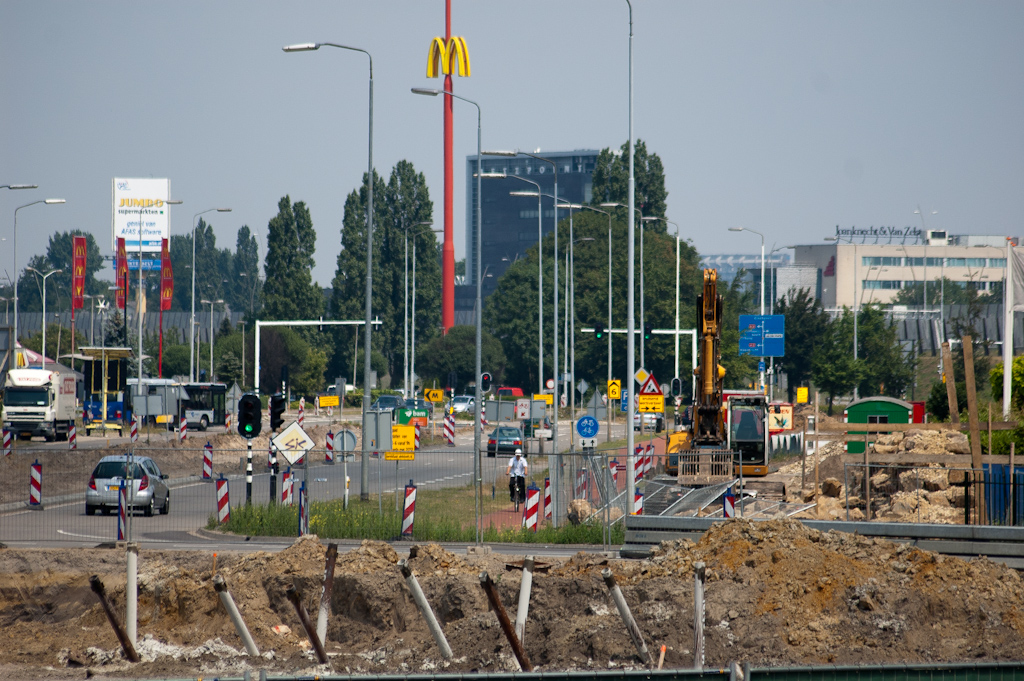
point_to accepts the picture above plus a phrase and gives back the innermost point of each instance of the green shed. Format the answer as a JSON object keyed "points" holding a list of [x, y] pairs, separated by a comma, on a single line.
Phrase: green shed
{"points": [[875, 410]]}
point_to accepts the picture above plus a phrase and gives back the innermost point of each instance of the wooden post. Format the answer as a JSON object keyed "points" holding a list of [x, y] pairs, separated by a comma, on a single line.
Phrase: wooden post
{"points": [[1013, 510], [803, 458], [947, 372], [867, 480], [975, 427]]}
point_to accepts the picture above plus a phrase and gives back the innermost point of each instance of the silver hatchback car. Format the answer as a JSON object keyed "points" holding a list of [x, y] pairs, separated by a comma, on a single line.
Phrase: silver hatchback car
{"points": [[149, 484]]}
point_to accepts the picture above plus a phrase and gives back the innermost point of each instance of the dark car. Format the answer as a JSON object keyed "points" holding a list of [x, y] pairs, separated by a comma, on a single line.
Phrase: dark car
{"points": [[421, 405], [149, 485], [504, 440], [388, 403], [539, 428]]}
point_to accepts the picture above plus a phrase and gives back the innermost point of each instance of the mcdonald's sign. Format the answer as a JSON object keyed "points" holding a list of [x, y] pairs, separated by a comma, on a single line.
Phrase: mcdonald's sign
{"points": [[79, 250], [122, 274], [166, 278], [452, 55]]}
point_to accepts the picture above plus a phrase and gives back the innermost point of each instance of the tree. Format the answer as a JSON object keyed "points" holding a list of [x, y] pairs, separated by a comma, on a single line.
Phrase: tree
{"points": [[805, 325], [834, 369], [58, 342], [244, 290], [213, 267], [1017, 384], [455, 351], [947, 292], [887, 369], [289, 291], [611, 179], [229, 368]]}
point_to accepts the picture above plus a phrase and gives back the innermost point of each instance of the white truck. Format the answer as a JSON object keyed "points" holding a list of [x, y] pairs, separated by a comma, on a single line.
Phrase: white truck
{"points": [[39, 402]]}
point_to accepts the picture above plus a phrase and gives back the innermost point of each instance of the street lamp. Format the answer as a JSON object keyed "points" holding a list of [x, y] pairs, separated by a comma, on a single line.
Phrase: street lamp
{"points": [[572, 323], [405, 315], [632, 235], [926, 239], [540, 272], [211, 303], [754, 231], [49, 202], [193, 361], [364, 475], [19, 186], [44, 276], [478, 479]]}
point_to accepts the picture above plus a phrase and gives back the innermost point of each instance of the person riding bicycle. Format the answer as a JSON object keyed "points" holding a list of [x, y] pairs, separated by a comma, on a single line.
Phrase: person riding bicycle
{"points": [[516, 473]]}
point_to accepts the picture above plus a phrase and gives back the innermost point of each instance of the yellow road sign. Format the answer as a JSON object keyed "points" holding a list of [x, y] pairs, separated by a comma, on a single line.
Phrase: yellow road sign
{"points": [[399, 456], [433, 395], [801, 395], [651, 403], [548, 398], [329, 401], [403, 438], [615, 389]]}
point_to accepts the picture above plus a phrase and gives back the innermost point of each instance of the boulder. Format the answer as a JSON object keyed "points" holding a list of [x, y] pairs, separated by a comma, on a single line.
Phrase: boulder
{"points": [[832, 488]]}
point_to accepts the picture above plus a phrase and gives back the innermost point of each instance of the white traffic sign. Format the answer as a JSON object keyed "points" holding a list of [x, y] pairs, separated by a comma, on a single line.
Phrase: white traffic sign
{"points": [[523, 408], [293, 443], [651, 387]]}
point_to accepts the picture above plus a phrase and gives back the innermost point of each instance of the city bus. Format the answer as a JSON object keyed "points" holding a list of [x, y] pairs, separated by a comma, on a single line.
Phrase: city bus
{"points": [[205, 405]]}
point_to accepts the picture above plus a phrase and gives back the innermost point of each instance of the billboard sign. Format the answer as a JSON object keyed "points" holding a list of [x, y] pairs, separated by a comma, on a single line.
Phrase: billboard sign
{"points": [[141, 201]]}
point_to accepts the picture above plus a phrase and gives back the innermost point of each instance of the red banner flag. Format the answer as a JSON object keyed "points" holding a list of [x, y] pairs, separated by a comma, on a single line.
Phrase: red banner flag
{"points": [[166, 277], [78, 275], [122, 274]]}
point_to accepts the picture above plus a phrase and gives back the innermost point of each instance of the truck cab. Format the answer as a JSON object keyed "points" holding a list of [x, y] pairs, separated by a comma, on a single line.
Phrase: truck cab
{"points": [[39, 402]]}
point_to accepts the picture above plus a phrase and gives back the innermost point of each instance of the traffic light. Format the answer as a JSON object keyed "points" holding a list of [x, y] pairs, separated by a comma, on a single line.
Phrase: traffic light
{"points": [[677, 387], [647, 332], [250, 416], [276, 411], [485, 382], [599, 330]]}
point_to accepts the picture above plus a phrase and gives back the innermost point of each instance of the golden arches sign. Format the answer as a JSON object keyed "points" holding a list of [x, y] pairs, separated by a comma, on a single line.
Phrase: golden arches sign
{"points": [[455, 51]]}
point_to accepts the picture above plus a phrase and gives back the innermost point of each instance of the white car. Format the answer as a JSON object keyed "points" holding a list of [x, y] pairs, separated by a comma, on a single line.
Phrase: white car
{"points": [[652, 421], [462, 404]]}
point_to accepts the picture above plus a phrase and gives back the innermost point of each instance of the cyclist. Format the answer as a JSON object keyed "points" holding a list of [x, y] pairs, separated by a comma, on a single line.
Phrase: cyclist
{"points": [[516, 473]]}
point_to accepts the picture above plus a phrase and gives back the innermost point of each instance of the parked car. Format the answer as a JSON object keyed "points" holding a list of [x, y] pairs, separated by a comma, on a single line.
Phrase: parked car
{"points": [[539, 428], [412, 403], [509, 391], [463, 404], [388, 403], [651, 421], [150, 489], [504, 440]]}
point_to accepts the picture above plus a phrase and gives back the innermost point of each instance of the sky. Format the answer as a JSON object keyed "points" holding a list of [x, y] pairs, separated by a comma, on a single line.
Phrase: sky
{"points": [[788, 117]]}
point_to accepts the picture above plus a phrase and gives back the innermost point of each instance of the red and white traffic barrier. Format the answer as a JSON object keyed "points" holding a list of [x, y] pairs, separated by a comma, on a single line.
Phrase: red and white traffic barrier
{"points": [[286, 487], [7, 442], [449, 429], [208, 462], [409, 510], [729, 504], [531, 507], [133, 429], [73, 438], [483, 416], [581, 483], [35, 488], [227, 421], [638, 503], [122, 511], [638, 466], [613, 466], [329, 451], [302, 410], [648, 459], [182, 429], [416, 446], [223, 500], [547, 498], [303, 510]]}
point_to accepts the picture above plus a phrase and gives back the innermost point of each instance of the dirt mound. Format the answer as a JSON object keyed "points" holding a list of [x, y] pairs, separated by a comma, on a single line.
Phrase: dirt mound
{"points": [[777, 593]]}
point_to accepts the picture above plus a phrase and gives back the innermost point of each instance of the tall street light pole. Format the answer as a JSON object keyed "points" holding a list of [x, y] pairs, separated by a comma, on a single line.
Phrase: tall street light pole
{"points": [[364, 477], [478, 479], [44, 276], [631, 283], [193, 361], [412, 359], [211, 303], [49, 202], [667, 221], [407, 378]]}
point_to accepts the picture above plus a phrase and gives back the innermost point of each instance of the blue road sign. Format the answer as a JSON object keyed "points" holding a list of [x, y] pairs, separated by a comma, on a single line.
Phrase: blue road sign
{"points": [[625, 400], [760, 365], [147, 264], [587, 426], [762, 335]]}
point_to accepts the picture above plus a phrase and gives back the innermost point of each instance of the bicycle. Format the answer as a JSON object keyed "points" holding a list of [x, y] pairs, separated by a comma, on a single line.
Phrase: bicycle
{"points": [[517, 489]]}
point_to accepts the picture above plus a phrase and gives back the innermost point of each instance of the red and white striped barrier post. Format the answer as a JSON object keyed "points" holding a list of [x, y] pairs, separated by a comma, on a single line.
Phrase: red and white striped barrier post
{"points": [[449, 429], [182, 429], [530, 509], [208, 462], [409, 510], [223, 500], [483, 416], [302, 410], [227, 421], [329, 451], [303, 510], [638, 503], [35, 488], [286, 486], [122, 510], [7, 442], [581, 483], [729, 504], [417, 441], [547, 498], [638, 466], [133, 429], [648, 459], [72, 438], [613, 466]]}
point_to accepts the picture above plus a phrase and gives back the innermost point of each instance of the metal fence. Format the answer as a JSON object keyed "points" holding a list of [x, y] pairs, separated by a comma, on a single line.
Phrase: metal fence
{"points": [[43, 494]]}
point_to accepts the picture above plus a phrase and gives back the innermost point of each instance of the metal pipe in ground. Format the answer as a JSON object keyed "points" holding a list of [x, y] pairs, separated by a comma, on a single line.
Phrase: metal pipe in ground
{"points": [[626, 615], [425, 610], [325, 593], [699, 579], [236, 617], [126, 645], [132, 592], [300, 610], [506, 625], [524, 597]]}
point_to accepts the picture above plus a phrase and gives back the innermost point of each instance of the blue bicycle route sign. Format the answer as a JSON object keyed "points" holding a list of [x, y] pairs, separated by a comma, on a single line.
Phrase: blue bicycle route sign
{"points": [[587, 426]]}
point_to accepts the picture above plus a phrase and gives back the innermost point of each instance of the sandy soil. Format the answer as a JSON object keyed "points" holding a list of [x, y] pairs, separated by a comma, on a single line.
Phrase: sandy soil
{"points": [[777, 594]]}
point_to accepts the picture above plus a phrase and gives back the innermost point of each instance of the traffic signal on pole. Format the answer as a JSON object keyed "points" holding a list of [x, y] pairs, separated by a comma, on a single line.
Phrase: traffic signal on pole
{"points": [[277, 404], [647, 332], [250, 416], [485, 382], [677, 387], [599, 330]]}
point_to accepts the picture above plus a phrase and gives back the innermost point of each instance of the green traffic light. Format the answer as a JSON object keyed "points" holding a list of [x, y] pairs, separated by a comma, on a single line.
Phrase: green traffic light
{"points": [[248, 427]]}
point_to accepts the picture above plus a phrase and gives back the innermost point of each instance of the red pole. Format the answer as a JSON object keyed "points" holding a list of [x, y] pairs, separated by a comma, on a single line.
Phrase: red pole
{"points": [[448, 247], [160, 361]]}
